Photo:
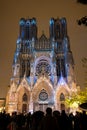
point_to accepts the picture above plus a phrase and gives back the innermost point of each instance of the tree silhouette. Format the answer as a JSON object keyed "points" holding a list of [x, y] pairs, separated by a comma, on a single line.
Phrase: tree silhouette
{"points": [[84, 64], [83, 21], [82, 1]]}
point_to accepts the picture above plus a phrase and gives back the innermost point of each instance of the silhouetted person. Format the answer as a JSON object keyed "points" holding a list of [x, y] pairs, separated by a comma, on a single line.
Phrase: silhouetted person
{"points": [[77, 121], [84, 121], [65, 122], [36, 119], [57, 116], [48, 122]]}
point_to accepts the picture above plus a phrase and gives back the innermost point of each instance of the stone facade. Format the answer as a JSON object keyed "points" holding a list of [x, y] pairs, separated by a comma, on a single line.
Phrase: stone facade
{"points": [[42, 69]]}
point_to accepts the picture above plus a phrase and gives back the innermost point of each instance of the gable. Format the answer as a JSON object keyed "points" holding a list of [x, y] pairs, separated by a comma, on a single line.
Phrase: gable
{"points": [[24, 84]]}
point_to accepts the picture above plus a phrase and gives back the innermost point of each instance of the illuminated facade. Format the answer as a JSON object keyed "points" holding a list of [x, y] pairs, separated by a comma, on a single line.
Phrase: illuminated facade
{"points": [[43, 68]]}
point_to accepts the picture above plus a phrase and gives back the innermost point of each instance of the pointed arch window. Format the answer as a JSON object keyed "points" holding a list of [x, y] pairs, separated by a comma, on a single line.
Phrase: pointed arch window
{"points": [[62, 97], [25, 98]]}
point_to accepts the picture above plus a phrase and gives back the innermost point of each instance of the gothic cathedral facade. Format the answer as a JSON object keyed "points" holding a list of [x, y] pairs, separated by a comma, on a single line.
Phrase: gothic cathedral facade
{"points": [[42, 69]]}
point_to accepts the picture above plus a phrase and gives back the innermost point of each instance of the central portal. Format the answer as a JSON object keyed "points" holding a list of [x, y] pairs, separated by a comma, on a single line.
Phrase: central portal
{"points": [[40, 106], [43, 107], [42, 94]]}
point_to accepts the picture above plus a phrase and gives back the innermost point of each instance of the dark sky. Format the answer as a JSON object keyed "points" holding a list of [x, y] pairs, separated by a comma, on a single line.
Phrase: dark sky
{"points": [[10, 13]]}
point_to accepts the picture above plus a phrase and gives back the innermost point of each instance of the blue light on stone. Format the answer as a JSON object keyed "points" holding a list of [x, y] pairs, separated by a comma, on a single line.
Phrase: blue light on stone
{"points": [[51, 21], [18, 40], [33, 21], [22, 34], [17, 53], [63, 20], [28, 22], [22, 21]]}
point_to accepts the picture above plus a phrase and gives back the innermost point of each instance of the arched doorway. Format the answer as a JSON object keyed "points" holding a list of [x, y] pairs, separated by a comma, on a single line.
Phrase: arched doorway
{"points": [[62, 100], [43, 94], [24, 105], [43, 100]]}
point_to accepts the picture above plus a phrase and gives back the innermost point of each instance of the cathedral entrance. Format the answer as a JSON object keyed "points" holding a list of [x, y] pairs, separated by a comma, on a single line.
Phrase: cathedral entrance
{"points": [[40, 106], [62, 99], [42, 94], [24, 108], [25, 102], [43, 106], [62, 106]]}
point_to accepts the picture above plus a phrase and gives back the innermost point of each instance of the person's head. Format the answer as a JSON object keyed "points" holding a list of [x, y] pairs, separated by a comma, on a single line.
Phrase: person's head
{"points": [[56, 113], [49, 111]]}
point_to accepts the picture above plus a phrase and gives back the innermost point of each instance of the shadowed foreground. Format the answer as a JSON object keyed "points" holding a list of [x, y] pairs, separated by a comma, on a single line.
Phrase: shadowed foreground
{"points": [[43, 121]]}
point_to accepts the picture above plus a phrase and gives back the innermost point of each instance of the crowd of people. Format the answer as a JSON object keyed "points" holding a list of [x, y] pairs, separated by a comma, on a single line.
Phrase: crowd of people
{"points": [[51, 120]]}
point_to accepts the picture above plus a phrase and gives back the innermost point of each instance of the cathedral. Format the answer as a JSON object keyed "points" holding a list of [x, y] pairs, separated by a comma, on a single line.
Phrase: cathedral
{"points": [[42, 68]]}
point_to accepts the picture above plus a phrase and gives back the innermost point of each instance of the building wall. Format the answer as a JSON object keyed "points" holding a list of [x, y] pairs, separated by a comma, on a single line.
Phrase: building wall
{"points": [[43, 68]]}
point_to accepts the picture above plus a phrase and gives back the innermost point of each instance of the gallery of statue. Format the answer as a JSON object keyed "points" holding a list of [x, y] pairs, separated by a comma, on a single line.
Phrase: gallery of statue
{"points": [[42, 69]]}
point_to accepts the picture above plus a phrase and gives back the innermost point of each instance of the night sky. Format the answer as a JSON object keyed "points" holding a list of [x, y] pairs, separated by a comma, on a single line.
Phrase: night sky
{"points": [[10, 13]]}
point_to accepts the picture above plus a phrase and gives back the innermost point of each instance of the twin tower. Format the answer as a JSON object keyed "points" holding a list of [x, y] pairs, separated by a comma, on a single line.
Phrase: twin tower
{"points": [[57, 28], [42, 69]]}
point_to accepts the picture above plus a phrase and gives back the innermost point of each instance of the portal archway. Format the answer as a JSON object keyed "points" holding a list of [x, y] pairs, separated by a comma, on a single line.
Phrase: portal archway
{"points": [[62, 100], [60, 94], [23, 100], [43, 94], [24, 103]]}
